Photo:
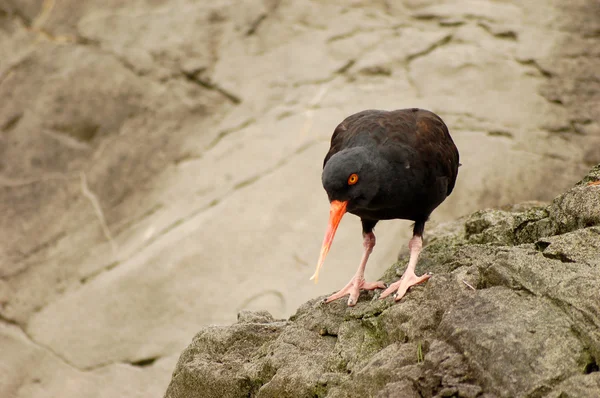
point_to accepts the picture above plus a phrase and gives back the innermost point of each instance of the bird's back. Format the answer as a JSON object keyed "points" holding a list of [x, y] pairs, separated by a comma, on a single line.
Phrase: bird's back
{"points": [[412, 129]]}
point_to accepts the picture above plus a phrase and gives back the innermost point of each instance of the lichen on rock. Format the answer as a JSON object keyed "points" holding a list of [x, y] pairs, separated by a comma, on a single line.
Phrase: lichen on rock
{"points": [[512, 310]]}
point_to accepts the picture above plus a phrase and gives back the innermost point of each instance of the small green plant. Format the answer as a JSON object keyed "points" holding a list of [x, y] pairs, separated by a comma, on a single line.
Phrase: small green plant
{"points": [[419, 353]]}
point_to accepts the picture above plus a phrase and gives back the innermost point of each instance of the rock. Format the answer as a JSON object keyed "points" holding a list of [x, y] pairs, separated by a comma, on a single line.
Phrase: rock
{"points": [[506, 314], [246, 316], [575, 209], [31, 370]]}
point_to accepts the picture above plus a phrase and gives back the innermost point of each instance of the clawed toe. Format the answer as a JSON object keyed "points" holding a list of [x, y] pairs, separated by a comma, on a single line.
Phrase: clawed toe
{"points": [[353, 288], [401, 287]]}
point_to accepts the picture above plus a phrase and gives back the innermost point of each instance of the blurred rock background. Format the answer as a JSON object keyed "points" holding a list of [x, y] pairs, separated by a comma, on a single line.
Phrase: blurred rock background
{"points": [[160, 160]]}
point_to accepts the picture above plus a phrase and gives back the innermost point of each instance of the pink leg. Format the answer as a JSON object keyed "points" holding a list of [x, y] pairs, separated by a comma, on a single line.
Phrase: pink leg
{"points": [[408, 278], [358, 281]]}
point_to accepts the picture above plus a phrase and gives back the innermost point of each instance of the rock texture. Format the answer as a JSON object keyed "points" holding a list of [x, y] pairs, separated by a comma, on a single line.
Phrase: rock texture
{"points": [[160, 161], [511, 311]]}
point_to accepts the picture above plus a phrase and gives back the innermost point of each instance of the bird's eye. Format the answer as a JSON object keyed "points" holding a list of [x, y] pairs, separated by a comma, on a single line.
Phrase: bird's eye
{"points": [[353, 179]]}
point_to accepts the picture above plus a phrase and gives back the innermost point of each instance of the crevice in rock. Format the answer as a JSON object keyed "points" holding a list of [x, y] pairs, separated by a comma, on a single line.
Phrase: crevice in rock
{"points": [[41, 346], [12, 122], [518, 239], [536, 65], [18, 15], [90, 277], [547, 387], [187, 157], [354, 32], [344, 68], [541, 245], [256, 24], [569, 128], [345, 35], [434, 46], [10, 321], [589, 355], [134, 220], [224, 133], [317, 82], [379, 70], [265, 375], [412, 57], [35, 24], [36, 249], [573, 312], [87, 42], [423, 16], [13, 66], [591, 367], [505, 34], [341, 71], [246, 182], [500, 133], [142, 363], [207, 84]]}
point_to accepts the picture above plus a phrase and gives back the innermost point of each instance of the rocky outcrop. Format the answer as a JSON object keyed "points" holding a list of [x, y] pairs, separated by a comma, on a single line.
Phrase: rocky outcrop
{"points": [[511, 311]]}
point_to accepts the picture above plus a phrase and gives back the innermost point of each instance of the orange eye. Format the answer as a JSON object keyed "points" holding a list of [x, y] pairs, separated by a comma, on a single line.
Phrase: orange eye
{"points": [[353, 179]]}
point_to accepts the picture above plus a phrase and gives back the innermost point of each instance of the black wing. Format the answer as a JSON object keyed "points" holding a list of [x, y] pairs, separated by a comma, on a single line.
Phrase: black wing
{"points": [[433, 141]]}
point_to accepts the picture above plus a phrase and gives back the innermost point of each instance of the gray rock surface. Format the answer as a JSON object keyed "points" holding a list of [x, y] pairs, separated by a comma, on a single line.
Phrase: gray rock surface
{"points": [[512, 318], [160, 161]]}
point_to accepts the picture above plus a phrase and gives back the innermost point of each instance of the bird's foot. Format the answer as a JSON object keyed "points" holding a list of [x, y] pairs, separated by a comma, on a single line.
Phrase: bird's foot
{"points": [[353, 288], [401, 287]]}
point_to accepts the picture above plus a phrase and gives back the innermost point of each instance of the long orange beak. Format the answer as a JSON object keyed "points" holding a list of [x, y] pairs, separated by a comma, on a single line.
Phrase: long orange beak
{"points": [[336, 212]]}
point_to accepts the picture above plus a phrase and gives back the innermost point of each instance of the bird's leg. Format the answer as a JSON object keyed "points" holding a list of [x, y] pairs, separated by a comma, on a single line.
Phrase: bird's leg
{"points": [[358, 281], [408, 278]]}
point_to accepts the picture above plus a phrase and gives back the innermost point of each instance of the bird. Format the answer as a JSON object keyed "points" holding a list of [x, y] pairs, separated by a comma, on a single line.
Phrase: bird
{"points": [[385, 165]]}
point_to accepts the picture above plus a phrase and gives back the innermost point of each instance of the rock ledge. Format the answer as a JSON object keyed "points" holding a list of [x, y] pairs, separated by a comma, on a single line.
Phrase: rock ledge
{"points": [[512, 310]]}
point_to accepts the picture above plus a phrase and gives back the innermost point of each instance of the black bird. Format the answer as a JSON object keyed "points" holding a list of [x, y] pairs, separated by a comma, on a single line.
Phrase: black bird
{"points": [[381, 166]]}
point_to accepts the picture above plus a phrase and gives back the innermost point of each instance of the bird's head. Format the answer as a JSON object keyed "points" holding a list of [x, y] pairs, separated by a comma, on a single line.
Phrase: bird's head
{"points": [[351, 180], [351, 176]]}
